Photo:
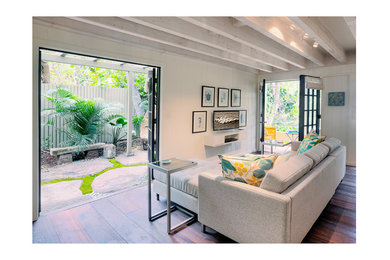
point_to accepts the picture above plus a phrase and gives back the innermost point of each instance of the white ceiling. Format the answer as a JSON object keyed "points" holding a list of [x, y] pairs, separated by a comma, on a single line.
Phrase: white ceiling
{"points": [[340, 31], [262, 44]]}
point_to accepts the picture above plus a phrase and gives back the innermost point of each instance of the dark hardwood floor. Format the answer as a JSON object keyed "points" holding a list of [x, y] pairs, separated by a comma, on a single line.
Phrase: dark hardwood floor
{"points": [[122, 218]]}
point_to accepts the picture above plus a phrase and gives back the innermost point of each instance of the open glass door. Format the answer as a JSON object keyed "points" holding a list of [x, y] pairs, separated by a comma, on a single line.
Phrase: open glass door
{"points": [[309, 105], [153, 114], [262, 115]]}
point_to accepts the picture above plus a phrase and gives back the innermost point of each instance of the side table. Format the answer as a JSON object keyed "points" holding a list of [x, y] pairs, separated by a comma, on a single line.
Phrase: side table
{"points": [[273, 143], [175, 165]]}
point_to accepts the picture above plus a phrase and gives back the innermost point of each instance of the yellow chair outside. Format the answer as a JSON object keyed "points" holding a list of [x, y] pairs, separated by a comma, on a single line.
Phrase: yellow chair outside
{"points": [[270, 132]]}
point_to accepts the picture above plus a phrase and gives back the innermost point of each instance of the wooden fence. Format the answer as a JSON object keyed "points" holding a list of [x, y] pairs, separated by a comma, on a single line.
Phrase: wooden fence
{"points": [[53, 136]]}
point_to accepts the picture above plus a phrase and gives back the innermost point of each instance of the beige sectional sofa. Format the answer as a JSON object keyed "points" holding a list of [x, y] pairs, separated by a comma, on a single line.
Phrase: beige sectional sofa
{"points": [[283, 209]]}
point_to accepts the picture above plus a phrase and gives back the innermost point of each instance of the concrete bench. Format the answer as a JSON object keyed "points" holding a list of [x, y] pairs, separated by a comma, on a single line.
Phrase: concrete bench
{"points": [[65, 154]]}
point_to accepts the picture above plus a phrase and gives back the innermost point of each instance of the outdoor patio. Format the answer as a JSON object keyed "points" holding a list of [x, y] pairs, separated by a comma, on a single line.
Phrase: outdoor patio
{"points": [[75, 183]]}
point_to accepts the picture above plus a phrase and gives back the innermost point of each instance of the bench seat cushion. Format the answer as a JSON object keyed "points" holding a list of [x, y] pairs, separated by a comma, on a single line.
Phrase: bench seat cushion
{"points": [[187, 180]]}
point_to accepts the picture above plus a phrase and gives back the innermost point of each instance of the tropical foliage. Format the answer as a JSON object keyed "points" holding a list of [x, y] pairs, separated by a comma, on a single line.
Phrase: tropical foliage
{"points": [[137, 121], [281, 104], [78, 75], [84, 118], [117, 128]]}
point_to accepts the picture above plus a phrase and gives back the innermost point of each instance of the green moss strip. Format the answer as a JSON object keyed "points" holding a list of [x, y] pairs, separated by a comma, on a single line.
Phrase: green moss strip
{"points": [[86, 186]]}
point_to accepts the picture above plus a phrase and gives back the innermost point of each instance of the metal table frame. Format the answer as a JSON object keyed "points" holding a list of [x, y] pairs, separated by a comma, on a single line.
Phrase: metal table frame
{"points": [[275, 144], [291, 135], [170, 208]]}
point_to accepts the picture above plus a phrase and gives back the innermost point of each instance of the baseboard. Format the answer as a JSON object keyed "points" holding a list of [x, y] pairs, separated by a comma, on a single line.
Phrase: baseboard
{"points": [[351, 164]]}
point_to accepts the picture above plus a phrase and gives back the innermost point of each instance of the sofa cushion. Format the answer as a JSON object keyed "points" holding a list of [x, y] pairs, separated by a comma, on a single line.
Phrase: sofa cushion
{"points": [[282, 176], [332, 143], [247, 170], [284, 158], [317, 153]]}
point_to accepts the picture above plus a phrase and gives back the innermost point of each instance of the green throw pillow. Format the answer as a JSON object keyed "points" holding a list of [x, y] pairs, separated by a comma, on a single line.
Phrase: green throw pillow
{"points": [[313, 135], [308, 142]]}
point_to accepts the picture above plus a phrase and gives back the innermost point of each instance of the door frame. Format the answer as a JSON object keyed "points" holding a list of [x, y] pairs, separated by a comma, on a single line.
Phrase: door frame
{"points": [[302, 107], [37, 190]]}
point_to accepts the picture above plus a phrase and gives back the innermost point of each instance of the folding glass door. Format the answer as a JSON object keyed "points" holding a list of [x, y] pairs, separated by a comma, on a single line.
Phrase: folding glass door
{"points": [[309, 106]]}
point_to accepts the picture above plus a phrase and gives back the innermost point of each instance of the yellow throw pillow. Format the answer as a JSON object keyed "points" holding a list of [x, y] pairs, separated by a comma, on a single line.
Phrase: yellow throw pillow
{"points": [[247, 170], [321, 139]]}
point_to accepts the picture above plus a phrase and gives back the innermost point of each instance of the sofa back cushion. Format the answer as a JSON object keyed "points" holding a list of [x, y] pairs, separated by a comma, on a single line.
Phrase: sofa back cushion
{"points": [[332, 143], [317, 153], [282, 158], [247, 170], [282, 176]]}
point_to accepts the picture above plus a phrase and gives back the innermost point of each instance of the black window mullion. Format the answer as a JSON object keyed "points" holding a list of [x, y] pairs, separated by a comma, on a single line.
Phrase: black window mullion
{"points": [[318, 111], [308, 111], [312, 111]]}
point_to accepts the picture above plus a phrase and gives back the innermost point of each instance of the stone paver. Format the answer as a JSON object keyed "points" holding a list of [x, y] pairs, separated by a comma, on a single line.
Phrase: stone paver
{"points": [[138, 158], [75, 169], [118, 179], [59, 195]]}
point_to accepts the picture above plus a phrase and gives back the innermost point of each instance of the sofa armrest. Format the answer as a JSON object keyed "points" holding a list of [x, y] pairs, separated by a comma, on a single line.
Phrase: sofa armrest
{"points": [[243, 212], [295, 145]]}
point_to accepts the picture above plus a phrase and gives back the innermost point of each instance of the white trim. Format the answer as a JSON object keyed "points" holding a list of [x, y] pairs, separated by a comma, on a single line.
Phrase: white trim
{"points": [[65, 59]]}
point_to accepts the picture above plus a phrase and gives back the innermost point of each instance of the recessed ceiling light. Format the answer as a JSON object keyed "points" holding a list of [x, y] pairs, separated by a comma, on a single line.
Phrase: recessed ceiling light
{"points": [[292, 27], [315, 44], [305, 36]]}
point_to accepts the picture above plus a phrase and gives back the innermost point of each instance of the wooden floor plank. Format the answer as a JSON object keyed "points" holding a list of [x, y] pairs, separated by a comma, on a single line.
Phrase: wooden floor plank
{"points": [[68, 230], [123, 218], [44, 231], [124, 226], [94, 225]]}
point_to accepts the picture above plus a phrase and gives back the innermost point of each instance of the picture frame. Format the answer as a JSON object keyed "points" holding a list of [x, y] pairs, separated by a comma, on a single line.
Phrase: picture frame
{"points": [[223, 97], [225, 119], [208, 96], [199, 121], [235, 97], [242, 118], [336, 99]]}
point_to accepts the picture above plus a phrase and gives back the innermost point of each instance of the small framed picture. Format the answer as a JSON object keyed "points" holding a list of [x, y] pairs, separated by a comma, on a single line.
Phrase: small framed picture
{"points": [[236, 98], [223, 97], [199, 121], [336, 98], [242, 118], [208, 96]]}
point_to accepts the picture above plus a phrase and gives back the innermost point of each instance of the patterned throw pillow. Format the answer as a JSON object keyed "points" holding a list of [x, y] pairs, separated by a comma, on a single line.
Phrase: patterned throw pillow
{"points": [[247, 170], [255, 156], [308, 142], [312, 135]]}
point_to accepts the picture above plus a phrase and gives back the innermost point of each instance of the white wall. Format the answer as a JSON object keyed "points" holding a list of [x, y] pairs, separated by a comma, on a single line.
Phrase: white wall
{"points": [[181, 82], [339, 122]]}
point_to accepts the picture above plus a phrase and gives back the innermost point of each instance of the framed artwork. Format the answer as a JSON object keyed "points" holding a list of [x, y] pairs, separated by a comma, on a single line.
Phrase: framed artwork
{"points": [[336, 98], [199, 121], [224, 120], [223, 97], [208, 96], [236, 98], [242, 118]]}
